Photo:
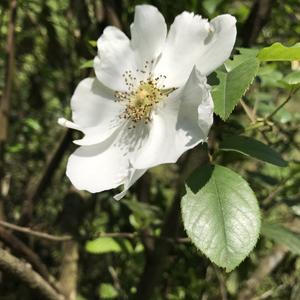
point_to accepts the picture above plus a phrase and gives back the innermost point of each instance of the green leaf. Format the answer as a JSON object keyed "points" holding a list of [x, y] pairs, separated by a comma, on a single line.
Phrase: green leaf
{"points": [[251, 147], [238, 59], [87, 64], [283, 236], [221, 215], [292, 79], [93, 43], [143, 213], [232, 86], [210, 5], [102, 245], [270, 76], [33, 124], [278, 52], [107, 291]]}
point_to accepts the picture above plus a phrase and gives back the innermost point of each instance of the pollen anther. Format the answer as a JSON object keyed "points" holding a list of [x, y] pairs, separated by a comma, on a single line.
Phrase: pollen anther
{"points": [[141, 96]]}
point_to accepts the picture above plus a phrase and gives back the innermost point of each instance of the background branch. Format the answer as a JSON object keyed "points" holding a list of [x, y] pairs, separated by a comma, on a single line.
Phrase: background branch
{"points": [[24, 272], [35, 233]]}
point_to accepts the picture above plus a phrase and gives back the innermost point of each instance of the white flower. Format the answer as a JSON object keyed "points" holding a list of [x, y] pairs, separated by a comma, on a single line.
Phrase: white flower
{"points": [[149, 102]]}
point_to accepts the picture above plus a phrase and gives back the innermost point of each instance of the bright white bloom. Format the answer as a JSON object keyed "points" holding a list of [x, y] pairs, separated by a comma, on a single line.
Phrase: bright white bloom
{"points": [[149, 102]]}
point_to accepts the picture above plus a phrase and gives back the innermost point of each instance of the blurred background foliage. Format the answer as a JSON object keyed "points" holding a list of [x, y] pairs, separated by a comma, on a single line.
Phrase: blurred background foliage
{"points": [[53, 44]]}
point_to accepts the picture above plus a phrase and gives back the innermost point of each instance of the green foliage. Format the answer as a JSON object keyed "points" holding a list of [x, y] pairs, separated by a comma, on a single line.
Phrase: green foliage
{"points": [[253, 148], [53, 39], [283, 236], [143, 213], [87, 64], [278, 52], [103, 245], [233, 85], [292, 79], [108, 291], [221, 215], [210, 5], [244, 55]]}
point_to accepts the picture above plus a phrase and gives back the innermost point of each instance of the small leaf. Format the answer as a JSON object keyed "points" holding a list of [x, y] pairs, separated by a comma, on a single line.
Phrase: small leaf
{"points": [[270, 76], [251, 147], [221, 215], [278, 52], [102, 245], [87, 64], [283, 236], [232, 86], [93, 43], [292, 79], [143, 213], [107, 291], [210, 5], [33, 124]]}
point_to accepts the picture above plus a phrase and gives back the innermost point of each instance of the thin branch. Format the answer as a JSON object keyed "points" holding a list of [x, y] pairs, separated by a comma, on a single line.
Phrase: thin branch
{"points": [[248, 111], [9, 72], [135, 235], [221, 281], [291, 94], [38, 183], [259, 15], [39, 234], [21, 249], [273, 193], [24, 272], [266, 265]]}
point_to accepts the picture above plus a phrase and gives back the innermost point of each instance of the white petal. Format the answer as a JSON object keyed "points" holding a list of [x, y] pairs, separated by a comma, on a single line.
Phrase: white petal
{"points": [[95, 111], [99, 167], [181, 124], [218, 45], [130, 180], [115, 56], [106, 165], [148, 33], [66, 123], [194, 41]]}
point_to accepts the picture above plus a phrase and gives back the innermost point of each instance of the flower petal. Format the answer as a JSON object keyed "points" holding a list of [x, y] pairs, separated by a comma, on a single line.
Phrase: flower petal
{"points": [[194, 41], [106, 165], [94, 111], [218, 45], [148, 33], [130, 180], [99, 167], [115, 56], [181, 124]]}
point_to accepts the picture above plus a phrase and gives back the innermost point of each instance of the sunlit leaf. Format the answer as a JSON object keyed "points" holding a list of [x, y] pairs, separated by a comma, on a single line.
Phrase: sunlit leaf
{"points": [[278, 52], [238, 59], [232, 86], [93, 43], [221, 215], [102, 245], [87, 64], [108, 291], [292, 79]]}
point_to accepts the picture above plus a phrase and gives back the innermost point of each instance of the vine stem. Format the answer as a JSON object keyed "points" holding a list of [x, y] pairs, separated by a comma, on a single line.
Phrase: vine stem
{"points": [[39, 234]]}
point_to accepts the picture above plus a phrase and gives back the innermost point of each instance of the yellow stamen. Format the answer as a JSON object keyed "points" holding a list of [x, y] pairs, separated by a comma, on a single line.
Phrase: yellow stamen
{"points": [[141, 98]]}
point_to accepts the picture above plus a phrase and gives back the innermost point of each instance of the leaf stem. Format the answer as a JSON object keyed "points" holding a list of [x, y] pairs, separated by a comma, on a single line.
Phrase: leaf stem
{"points": [[291, 94]]}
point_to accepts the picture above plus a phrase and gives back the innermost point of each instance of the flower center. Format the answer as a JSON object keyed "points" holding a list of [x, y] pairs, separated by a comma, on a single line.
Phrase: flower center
{"points": [[141, 96]]}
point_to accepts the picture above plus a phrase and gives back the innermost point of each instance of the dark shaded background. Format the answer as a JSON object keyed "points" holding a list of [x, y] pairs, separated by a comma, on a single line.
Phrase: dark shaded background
{"points": [[43, 47]]}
